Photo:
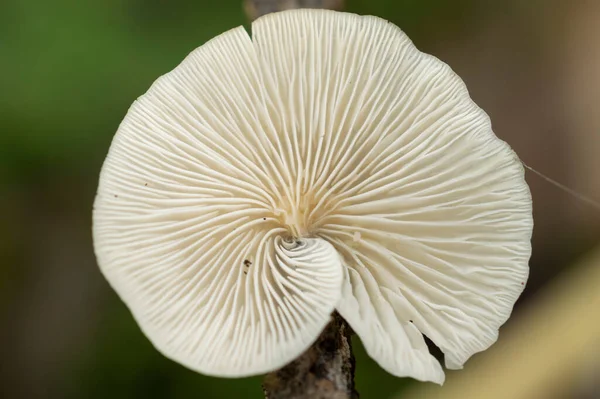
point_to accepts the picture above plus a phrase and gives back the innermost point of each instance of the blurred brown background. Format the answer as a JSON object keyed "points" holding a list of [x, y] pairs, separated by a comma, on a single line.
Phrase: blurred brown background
{"points": [[71, 68]]}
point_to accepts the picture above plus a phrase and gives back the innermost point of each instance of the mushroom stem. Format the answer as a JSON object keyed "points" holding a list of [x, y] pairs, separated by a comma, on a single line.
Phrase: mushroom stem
{"points": [[324, 371]]}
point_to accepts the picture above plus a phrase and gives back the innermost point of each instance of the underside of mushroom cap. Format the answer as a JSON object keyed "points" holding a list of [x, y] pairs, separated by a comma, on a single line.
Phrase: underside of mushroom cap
{"points": [[324, 164]]}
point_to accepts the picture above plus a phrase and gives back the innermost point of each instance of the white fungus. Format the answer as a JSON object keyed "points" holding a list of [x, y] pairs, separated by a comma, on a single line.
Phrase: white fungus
{"points": [[235, 189]]}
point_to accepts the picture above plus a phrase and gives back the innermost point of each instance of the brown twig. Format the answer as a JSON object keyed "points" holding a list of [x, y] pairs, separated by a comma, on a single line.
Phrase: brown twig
{"points": [[257, 8], [324, 371]]}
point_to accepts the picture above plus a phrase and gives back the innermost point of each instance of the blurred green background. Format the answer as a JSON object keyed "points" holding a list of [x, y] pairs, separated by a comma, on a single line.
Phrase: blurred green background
{"points": [[71, 68]]}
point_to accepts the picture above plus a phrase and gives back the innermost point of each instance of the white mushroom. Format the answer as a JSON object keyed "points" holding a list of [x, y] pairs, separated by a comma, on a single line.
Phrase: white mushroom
{"points": [[323, 164]]}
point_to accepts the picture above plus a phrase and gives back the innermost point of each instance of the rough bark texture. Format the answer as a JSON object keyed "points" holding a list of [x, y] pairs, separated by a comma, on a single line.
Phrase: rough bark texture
{"points": [[324, 371], [257, 8]]}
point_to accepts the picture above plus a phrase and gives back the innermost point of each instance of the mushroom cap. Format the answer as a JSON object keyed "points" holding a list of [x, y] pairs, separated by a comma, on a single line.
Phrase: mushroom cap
{"points": [[323, 164]]}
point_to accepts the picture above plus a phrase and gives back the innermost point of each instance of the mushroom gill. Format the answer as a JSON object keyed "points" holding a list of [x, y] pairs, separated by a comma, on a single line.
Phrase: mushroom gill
{"points": [[322, 164]]}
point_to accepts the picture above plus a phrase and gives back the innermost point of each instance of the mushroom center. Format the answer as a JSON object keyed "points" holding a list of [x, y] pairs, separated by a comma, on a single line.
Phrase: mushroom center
{"points": [[295, 219], [300, 215]]}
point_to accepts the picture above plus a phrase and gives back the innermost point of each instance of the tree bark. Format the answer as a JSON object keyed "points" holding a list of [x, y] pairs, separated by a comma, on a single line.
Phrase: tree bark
{"points": [[324, 371], [258, 8]]}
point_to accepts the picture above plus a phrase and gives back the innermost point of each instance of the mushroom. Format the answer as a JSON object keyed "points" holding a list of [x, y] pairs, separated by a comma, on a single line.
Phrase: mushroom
{"points": [[323, 164]]}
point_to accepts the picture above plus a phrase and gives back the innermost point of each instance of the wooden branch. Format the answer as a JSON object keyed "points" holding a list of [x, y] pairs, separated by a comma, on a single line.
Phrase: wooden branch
{"points": [[324, 371], [258, 8]]}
